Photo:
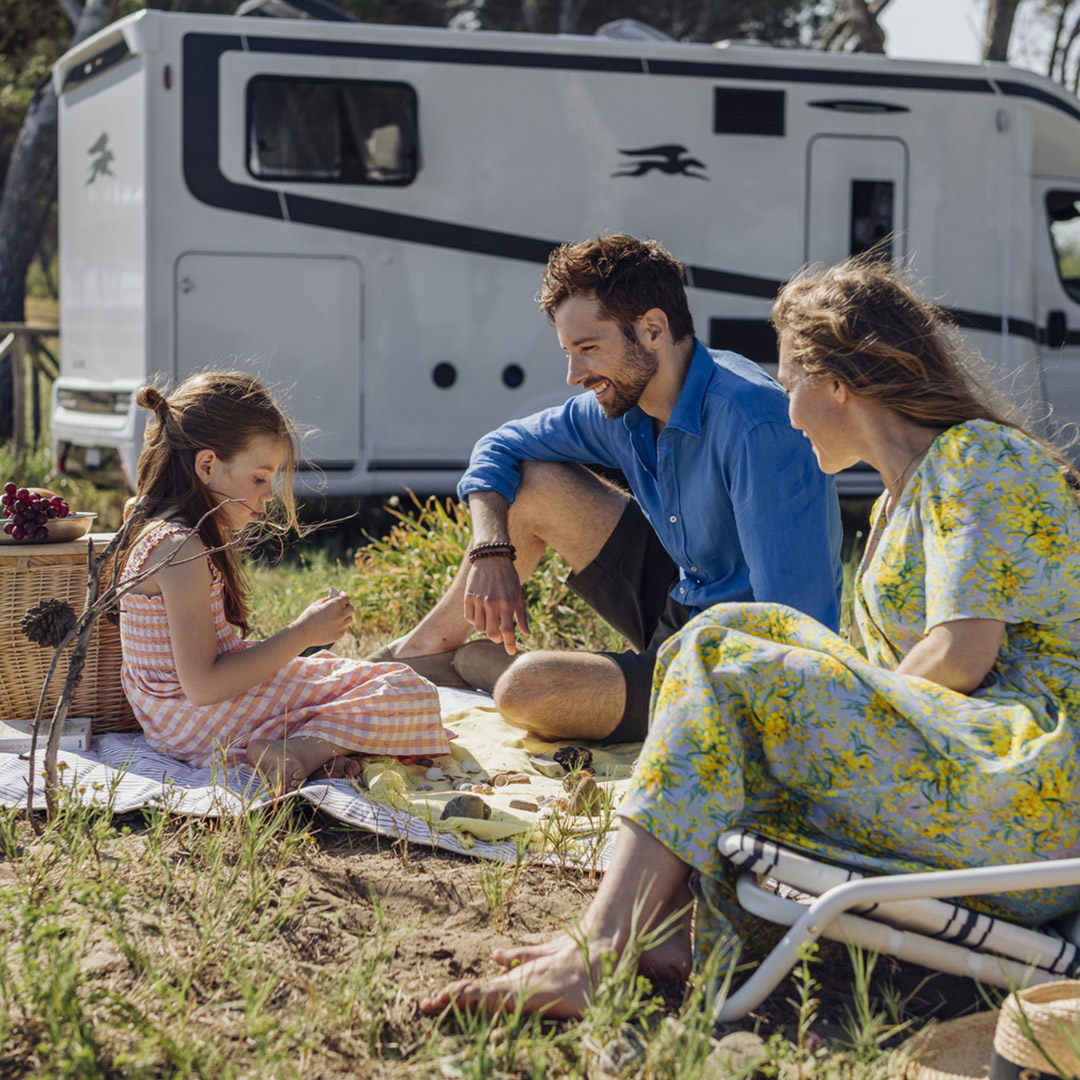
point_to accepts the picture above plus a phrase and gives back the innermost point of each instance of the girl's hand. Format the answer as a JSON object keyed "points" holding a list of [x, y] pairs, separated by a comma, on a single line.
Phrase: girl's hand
{"points": [[324, 621]]}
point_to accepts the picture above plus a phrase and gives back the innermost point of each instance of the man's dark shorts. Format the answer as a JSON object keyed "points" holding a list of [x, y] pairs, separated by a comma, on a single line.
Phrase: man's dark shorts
{"points": [[628, 584]]}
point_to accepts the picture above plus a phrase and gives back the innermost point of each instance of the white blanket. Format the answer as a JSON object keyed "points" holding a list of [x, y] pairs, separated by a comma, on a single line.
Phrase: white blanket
{"points": [[122, 772]]}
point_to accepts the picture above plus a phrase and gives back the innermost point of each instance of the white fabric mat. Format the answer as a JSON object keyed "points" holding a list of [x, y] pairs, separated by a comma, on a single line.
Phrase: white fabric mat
{"points": [[122, 772]]}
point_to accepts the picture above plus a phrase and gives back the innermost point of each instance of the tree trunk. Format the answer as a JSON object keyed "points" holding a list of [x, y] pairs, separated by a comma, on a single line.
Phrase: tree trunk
{"points": [[999, 23], [845, 27], [1066, 49], [569, 10], [1055, 45], [871, 38], [29, 189]]}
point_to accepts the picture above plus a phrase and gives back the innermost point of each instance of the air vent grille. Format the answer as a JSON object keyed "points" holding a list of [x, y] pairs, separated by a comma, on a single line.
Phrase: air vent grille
{"points": [[748, 112]]}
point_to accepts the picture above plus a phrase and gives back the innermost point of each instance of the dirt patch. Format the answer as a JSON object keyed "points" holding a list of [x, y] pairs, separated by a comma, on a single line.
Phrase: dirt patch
{"points": [[300, 947]]}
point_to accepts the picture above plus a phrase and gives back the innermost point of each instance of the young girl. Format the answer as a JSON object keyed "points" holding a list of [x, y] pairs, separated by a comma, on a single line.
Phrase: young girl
{"points": [[216, 451]]}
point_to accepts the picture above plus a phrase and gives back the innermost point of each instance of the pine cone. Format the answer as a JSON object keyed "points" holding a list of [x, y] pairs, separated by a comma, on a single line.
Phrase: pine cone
{"points": [[47, 623]]}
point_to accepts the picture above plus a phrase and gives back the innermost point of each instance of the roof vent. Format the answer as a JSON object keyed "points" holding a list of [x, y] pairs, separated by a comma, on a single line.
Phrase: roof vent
{"points": [[631, 30]]}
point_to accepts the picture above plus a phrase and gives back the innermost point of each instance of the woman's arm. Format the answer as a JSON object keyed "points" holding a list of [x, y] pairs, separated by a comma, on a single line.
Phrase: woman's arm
{"points": [[956, 654], [207, 678]]}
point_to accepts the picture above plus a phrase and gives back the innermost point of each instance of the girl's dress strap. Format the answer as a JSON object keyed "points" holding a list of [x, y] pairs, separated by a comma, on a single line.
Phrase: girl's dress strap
{"points": [[150, 540]]}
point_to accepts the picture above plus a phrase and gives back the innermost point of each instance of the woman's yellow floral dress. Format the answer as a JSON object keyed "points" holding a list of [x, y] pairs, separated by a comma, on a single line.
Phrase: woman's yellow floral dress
{"points": [[764, 719]]}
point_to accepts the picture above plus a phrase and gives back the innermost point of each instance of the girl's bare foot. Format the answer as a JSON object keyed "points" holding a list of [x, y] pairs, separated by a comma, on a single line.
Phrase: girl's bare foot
{"points": [[286, 763], [341, 767], [559, 984]]}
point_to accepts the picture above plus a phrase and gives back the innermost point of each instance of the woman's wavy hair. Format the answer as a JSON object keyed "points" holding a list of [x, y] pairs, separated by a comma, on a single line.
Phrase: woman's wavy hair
{"points": [[865, 325], [221, 411]]}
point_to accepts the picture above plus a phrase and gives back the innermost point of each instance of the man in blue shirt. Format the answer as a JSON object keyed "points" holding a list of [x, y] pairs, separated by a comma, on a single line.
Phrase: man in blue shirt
{"points": [[727, 504]]}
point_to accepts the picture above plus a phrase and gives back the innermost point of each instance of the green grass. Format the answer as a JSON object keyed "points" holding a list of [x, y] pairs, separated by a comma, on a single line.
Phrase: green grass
{"points": [[155, 946]]}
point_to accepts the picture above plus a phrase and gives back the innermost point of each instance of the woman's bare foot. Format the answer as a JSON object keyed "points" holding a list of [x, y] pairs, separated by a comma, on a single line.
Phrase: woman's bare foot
{"points": [[286, 763], [671, 959], [558, 984]]}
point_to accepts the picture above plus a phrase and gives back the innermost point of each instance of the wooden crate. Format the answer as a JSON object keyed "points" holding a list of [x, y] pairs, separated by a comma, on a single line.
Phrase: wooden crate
{"points": [[30, 573]]}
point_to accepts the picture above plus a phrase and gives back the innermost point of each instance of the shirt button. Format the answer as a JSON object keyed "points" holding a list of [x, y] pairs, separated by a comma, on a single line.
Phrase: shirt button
{"points": [[682, 588], [673, 519], [693, 569]]}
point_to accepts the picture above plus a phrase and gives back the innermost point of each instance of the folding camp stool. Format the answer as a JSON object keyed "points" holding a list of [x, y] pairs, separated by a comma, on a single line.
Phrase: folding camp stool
{"points": [[901, 915]]}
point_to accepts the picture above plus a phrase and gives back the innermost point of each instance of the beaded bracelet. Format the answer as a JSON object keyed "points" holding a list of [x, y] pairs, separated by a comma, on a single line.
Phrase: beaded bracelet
{"points": [[490, 551]]}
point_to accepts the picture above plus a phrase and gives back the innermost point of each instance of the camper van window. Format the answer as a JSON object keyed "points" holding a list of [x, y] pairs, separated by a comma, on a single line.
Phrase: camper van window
{"points": [[872, 218], [1063, 214], [332, 131]]}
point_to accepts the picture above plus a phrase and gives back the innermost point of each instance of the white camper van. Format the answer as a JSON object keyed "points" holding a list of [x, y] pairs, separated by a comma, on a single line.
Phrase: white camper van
{"points": [[364, 212]]}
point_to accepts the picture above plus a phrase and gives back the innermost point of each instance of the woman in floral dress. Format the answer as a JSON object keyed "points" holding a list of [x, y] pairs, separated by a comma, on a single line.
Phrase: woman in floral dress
{"points": [[953, 742]]}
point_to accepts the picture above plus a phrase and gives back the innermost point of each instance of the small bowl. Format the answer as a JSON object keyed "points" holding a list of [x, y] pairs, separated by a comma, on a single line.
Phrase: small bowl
{"points": [[61, 530]]}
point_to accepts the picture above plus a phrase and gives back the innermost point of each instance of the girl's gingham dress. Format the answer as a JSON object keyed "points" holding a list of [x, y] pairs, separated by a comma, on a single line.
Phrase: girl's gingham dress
{"points": [[365, 708], [764, 719]]}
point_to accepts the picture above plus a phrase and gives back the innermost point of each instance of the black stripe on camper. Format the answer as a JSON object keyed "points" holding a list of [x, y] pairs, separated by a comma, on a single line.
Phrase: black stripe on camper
{"points": [[1019, 89], [102, 61], [206, 182]]}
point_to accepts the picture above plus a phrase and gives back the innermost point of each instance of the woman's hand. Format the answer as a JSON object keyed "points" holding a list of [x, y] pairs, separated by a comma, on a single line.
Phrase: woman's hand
{"points": [[324, 621], [958, 654]]}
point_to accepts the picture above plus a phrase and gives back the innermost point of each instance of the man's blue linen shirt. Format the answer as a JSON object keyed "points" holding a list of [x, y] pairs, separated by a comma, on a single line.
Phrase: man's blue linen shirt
{"points": [[732, 490]]}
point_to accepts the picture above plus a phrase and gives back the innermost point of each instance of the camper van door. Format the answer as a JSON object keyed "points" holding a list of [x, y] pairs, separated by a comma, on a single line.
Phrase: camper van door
{"points": [[295, 321], [856, 197]]}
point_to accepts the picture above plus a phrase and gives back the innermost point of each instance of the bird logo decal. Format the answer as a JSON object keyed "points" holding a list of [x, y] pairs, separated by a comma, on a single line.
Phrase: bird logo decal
{"points": [[668, 158], [100, 165]]}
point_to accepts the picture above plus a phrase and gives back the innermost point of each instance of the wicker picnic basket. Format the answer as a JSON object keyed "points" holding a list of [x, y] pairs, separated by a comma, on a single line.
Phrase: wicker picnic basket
{"points": [[30, 573]]}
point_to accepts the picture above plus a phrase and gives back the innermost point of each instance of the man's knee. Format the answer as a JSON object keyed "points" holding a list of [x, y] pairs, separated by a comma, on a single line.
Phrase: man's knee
{"points": [[558, 695], [524, 690]]}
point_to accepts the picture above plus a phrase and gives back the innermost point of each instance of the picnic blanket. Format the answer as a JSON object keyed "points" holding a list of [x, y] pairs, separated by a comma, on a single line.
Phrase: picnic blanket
{"points": [[401, 800]]}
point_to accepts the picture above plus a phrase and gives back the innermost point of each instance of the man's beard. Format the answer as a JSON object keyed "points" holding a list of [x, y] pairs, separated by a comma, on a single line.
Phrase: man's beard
{"points": [[636, 369]]}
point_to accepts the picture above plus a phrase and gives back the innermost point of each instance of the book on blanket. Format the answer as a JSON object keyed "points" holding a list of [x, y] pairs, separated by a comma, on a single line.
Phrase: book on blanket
{"points": [[15, 735]]}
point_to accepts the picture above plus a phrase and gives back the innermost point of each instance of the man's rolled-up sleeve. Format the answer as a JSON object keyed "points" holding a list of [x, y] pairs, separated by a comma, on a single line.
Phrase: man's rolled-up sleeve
{"points": [[576, 431]]}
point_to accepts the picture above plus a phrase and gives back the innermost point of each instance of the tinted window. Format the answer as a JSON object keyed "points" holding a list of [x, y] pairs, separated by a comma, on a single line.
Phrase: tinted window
{"points": [[872, 217], [340, 132], [1063, 214]]}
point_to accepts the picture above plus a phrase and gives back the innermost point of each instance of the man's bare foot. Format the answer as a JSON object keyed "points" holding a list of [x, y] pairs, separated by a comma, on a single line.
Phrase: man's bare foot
{"points": [[286, 763], [558, 984]]}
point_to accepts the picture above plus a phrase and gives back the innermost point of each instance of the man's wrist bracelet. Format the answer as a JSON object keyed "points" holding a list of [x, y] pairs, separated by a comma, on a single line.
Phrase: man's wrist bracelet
{"points": [[490, 551]]}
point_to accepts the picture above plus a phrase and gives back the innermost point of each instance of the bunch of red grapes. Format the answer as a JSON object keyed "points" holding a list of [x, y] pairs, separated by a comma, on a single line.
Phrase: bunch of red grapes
{"points": [[28, 513]]}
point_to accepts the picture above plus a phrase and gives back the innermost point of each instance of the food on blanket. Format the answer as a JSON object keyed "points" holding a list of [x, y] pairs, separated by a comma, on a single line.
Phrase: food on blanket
{"points": [[466, 806], [435, 774], [463, 785], [482, 789], [547, 766], [28, 510], [425, 786], [524, 804], [586, 797], [424, 762], [470, 766], [573, 757], [387, 786]]}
